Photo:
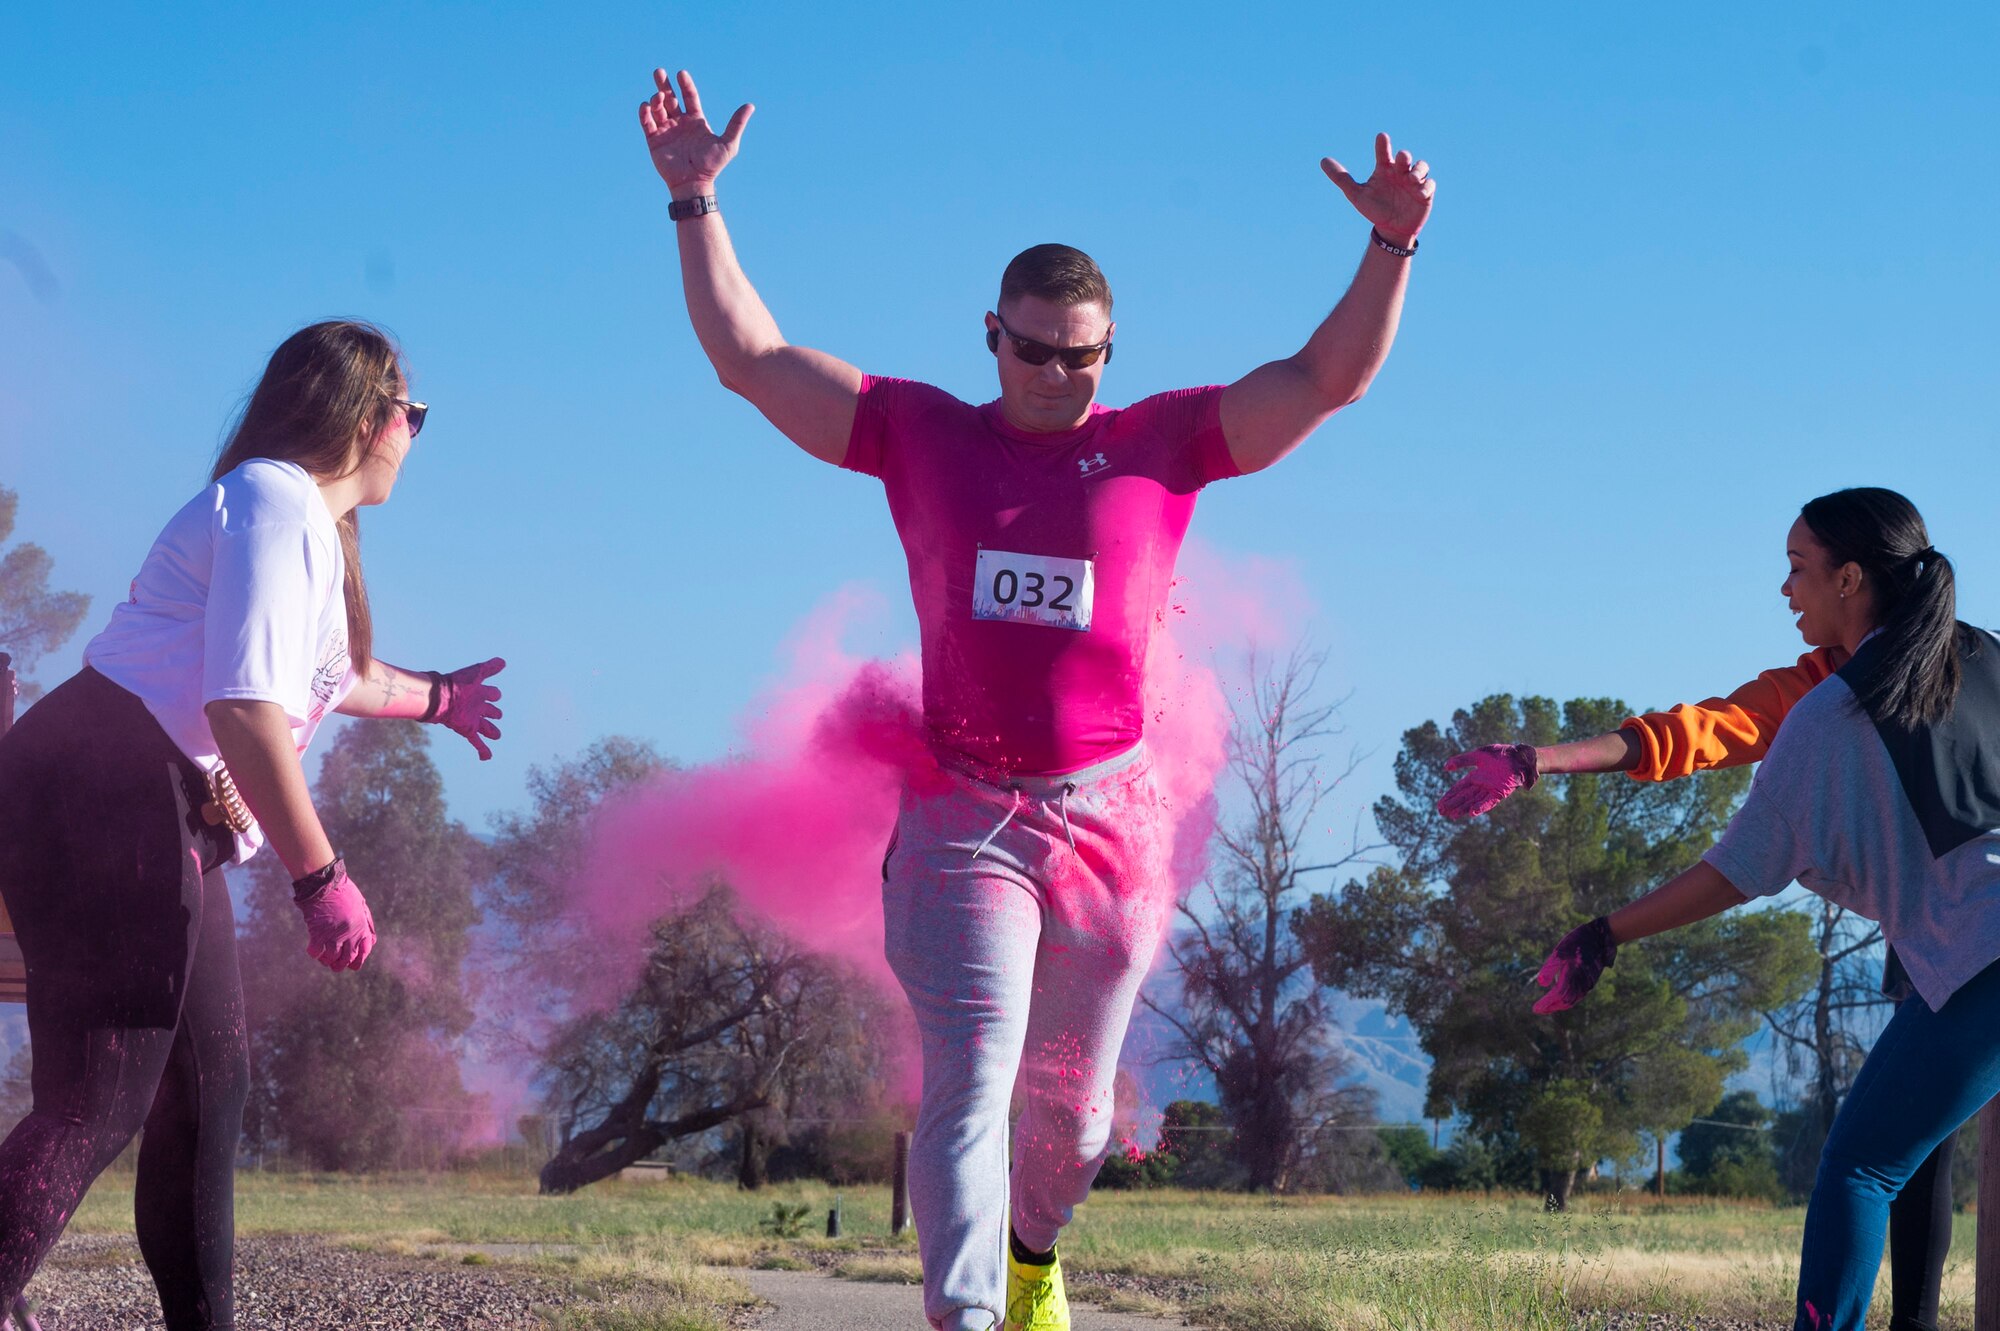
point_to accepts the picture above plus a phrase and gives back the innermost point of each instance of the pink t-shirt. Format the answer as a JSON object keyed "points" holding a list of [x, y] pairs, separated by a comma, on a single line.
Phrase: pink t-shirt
{"points": [[1039, 563]]}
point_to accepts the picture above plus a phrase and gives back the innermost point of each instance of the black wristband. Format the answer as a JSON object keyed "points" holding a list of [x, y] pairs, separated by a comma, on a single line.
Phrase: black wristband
{"points": [[437, 696], [1532, 756], [1396, 250], [1600, 932], [680, 210], [316, 882]]}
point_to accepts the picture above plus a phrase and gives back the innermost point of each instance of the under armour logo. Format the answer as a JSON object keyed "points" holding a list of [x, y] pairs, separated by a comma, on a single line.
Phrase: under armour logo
{"points": [[1085, 466]]}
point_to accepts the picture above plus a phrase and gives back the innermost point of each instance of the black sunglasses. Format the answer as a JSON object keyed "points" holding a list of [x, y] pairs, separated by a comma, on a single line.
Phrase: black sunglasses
{"points": [[1031, 352], [414, 413]]}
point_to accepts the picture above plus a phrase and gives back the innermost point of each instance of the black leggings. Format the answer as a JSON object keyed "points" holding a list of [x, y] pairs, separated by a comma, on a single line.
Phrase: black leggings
{"points": [[1919, 1241], [1920, 1215], [135, 1005]]}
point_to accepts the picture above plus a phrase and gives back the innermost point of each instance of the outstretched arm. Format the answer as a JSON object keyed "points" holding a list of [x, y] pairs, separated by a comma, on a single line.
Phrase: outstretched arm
{"points": [[1657, 746], [461, 700], [1271, 410], [387, 692], [808, 395], [1572, 970], [1692, 895]]}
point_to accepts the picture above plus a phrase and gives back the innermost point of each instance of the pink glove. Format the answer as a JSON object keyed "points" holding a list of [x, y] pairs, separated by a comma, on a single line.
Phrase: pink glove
{"points": [[1572, 969], [465, 704], [340, 931], [1498, 770]]}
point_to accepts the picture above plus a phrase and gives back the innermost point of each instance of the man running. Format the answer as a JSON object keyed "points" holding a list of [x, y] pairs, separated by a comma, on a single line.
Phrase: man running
{"points": [[1025, 900]]}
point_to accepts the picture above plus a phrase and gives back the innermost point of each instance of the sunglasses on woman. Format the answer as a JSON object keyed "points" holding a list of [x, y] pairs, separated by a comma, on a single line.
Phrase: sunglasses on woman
{"points": [[1030, 352], [414, 413]]}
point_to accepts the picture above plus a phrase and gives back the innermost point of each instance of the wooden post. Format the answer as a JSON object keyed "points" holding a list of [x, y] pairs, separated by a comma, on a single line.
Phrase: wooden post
{"points": [[899, 1198], [1661, 1143], [1986, 1259]]}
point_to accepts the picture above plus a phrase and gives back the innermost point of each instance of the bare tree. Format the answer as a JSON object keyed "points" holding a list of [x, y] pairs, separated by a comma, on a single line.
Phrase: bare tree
{"points": [[1825, 1034], [1250, 1013], [729, 1018]]}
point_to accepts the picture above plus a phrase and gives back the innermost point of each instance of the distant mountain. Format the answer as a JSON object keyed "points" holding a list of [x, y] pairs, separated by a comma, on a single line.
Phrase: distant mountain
{"points": [[1386, 1058], [1383, 1051]]}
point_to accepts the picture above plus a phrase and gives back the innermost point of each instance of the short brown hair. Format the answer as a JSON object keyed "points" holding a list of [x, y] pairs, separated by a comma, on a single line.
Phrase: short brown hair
{"points": [[1061, 274]]}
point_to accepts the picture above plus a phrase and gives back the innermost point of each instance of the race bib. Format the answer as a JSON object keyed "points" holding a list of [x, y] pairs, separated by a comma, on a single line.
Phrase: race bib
{"points": [[1033, 589]]}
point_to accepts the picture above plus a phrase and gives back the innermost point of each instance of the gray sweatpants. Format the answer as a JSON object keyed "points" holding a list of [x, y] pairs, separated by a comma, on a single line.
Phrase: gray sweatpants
{"points": [[1022, 914]]}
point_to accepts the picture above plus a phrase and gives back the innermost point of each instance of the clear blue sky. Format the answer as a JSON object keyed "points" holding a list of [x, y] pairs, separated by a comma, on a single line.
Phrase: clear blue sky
{"points": [[1689, 267]]}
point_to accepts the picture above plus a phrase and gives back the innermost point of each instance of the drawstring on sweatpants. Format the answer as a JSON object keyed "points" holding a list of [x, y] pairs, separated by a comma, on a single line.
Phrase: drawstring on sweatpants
{"points": [[1068, 789], [1003, 823]]}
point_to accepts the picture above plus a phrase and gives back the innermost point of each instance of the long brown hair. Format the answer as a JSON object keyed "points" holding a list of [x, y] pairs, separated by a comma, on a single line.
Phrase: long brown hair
{"points": [[328, 389]]}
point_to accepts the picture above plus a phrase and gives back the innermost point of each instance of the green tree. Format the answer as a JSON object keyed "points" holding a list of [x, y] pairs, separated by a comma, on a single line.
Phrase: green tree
{"points": [[544, 955], [1451, 937], [359, 1070], [1667, 1092], [1467, 1165], [1196, 1133], [1410, 1150], [33, 619], [1564, 1125], [1194, 1151], [1737, 1129]]}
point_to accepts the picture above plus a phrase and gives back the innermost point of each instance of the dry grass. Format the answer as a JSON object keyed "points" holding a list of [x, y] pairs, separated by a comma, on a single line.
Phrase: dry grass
{"points": [[882, 1270], [1394, 1263]]}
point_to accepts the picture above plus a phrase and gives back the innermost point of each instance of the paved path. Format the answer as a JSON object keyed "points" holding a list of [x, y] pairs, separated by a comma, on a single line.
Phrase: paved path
{"points": [[808, 1301]]}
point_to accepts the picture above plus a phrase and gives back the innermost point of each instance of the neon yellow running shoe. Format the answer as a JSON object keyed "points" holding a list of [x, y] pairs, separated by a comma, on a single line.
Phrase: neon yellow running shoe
{"points": [[1035, 1298]]}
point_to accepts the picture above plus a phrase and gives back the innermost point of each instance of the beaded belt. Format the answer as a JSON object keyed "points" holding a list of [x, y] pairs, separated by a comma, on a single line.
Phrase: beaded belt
{"points": [[225, 806]]}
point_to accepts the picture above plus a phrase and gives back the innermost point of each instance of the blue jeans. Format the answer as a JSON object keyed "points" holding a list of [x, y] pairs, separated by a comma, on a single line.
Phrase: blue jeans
{"points": [[1930, 1072]]}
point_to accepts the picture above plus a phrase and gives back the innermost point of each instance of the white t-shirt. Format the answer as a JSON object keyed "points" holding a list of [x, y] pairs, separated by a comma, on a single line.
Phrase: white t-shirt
{"points": [[240, 597]]}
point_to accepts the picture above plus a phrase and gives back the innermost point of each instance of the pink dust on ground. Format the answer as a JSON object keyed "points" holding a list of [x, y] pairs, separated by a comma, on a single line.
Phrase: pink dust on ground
{"points": [[798, 819]]}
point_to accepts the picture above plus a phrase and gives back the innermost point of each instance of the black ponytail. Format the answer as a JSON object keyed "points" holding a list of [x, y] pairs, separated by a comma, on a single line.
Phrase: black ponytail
{"points": [[1915, 594]]}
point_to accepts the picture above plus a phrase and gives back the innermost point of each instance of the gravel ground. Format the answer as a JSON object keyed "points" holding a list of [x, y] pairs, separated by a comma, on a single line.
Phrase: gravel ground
{"points": [[98, 1283], [1661, 1322]]}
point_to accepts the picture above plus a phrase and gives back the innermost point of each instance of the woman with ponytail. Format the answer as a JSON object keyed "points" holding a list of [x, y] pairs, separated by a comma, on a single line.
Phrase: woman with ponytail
{"points": [[176, 750], [1881, 792], [1734, 731]]}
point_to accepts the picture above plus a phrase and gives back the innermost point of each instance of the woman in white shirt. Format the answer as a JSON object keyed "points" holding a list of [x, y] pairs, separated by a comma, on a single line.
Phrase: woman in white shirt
{"points": [[174, 751]]}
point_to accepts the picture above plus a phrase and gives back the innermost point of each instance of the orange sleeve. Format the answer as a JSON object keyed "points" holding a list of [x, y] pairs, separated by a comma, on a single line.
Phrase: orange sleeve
{"points": [[1723, 732]]}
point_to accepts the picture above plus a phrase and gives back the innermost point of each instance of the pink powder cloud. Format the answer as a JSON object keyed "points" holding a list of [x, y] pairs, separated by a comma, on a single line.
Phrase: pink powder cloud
{"points": [[798, 819]]}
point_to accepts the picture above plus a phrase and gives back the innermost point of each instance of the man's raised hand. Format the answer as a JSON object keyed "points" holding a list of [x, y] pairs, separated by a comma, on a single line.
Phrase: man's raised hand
{"points": [[686, 152], [1396, 200]]}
